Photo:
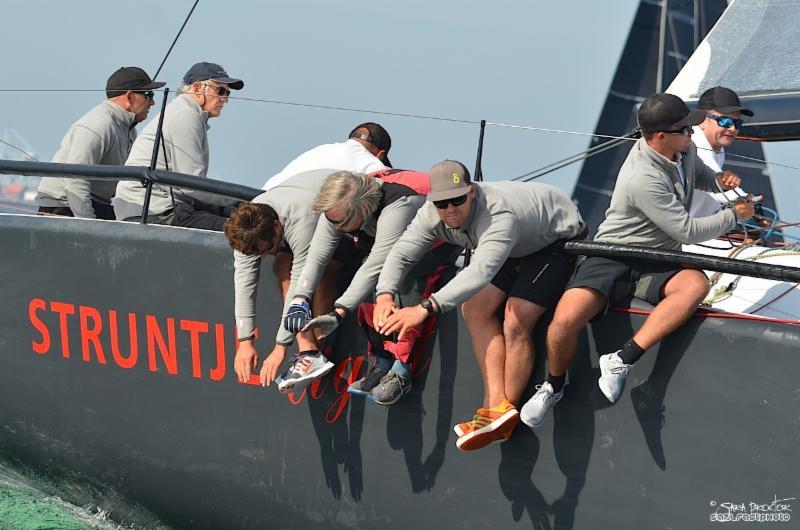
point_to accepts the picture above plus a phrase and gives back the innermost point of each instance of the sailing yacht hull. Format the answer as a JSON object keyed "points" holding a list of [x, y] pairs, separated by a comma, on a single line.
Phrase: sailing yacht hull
{"points": [[116, 386]]}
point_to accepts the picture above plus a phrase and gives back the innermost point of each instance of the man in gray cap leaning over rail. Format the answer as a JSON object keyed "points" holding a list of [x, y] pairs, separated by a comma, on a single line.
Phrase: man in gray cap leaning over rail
{"points": [[514, 228], [649, 208], [205, 91], [103, 136]]}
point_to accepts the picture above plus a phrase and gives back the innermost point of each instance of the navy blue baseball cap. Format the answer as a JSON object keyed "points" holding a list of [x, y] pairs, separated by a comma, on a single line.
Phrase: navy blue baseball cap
{"points": [[206, 71]]}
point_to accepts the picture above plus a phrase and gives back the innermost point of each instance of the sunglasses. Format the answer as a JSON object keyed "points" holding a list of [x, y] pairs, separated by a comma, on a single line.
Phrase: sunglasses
{"points": [[683, 131], [455, 201], [725, 122], [149, 95], [338, 224], [221, 90]]}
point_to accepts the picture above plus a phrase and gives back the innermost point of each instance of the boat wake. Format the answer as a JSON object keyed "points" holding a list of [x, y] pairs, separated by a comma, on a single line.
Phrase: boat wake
{"points": [[25, 504]]}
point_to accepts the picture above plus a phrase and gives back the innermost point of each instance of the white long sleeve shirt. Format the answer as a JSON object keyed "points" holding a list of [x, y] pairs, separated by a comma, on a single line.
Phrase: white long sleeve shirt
{"points": [[706, 203], [347, 156]]}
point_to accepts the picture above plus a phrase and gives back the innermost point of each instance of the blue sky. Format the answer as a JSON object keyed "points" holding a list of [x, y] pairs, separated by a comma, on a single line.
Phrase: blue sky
{"points": [[542, 64]]}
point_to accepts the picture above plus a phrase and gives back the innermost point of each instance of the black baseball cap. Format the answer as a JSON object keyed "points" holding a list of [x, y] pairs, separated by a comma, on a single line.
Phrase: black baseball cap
{"points": [[130, 78], [665, 112], [212, 71], [722, 100], [377, 136]]}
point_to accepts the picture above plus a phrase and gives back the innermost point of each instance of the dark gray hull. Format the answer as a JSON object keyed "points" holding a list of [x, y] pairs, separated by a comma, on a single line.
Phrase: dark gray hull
{"points": [[199, 450]]}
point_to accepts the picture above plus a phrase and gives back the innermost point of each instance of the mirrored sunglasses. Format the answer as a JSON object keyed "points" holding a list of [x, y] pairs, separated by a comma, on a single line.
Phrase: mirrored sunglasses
{"points": [[726, 122]]}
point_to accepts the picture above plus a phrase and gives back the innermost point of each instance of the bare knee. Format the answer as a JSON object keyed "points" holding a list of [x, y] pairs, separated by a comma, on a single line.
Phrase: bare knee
{"points": [[518, 322], [472, 309], [700, 287], [567, 321], [692, 285]]}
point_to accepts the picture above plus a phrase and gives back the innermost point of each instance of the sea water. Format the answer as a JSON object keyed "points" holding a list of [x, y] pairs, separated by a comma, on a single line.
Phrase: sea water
{"points": [[25, 505]]}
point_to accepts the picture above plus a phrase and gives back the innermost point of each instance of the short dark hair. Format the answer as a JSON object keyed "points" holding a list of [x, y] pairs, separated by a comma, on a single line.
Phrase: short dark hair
{"points": [[250, 224]]}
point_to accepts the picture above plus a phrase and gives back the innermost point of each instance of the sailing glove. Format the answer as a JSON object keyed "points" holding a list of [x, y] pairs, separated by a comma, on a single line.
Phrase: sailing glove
{"points": [[327, 324], [297, 316]]}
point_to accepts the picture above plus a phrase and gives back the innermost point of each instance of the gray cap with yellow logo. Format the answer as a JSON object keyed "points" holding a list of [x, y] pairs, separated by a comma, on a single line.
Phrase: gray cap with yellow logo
{"points": [[449, 179]]}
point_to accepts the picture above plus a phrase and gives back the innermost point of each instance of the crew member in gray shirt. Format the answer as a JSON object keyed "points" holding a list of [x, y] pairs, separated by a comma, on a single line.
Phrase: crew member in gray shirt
{"points": [[360, 208], [280, 220], [205, 91], [649, 208], [512, 228], [103, 136]]}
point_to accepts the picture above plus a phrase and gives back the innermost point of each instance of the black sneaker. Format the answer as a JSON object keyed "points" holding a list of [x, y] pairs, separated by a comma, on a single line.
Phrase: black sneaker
{"points": [[390, 389], [363, 386]]}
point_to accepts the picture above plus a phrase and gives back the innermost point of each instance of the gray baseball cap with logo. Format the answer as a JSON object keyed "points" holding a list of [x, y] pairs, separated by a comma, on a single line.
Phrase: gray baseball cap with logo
{"points": [[449, 179]]}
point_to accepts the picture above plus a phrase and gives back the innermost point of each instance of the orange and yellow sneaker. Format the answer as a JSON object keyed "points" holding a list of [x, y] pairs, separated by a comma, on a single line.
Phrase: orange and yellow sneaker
{"points": [[463, 428], [488, 425]]}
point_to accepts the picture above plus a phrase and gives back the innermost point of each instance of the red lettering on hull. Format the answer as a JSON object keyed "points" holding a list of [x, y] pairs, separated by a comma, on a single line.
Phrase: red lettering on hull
{"points": [[166, 353], [43, 346], [133, 356]]}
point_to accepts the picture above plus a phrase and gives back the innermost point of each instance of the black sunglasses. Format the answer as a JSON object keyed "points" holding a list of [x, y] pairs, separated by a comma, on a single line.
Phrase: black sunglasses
{"points": [[455, 201], [726, 122], [339, 224], [221, 90], [150, 95], [683, 131]]}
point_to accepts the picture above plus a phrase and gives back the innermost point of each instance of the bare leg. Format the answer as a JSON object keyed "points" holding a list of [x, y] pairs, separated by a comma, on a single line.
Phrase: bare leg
{"points": [[282, 268], [682, 293], [575, 309], [520, 318], [480, 315]]}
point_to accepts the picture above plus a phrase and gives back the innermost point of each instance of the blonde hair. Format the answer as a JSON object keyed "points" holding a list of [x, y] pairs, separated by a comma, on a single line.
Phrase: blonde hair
{"points": [[355, 194]]}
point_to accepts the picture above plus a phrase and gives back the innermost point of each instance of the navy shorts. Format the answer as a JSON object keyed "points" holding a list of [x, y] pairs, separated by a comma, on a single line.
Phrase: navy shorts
{"points": [[539, 277], [617, 279]]}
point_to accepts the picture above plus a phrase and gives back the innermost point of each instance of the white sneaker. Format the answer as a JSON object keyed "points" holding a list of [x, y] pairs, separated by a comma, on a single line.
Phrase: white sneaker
{"points": [[535, 410], [303, 369], [612, 375]]}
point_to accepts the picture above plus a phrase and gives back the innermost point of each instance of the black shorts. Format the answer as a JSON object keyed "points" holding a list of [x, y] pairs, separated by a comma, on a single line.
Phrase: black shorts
{"points": [[539, 277], [617, 279]]}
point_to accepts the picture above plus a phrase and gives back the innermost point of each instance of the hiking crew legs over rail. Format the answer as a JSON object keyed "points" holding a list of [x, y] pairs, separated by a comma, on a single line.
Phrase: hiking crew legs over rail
{"points": [[511, 226], [649, 207]]}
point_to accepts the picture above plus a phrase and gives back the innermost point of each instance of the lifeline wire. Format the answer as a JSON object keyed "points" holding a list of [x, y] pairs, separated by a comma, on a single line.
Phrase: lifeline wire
{"points": [[427, 117]]}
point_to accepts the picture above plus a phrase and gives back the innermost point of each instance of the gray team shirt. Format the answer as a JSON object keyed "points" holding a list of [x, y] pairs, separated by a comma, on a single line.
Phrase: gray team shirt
{"points": [[386, 228], [292, 199], [508, 220], [650, 203], [185, 134], [103, 136]]}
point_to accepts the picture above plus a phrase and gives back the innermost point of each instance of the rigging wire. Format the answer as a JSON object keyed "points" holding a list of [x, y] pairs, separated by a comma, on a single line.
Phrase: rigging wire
{"points": [[176, 39], [564, 162], [20, 150]]}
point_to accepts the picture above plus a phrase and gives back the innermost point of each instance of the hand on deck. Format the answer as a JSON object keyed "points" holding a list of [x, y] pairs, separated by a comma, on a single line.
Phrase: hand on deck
{"points": [[245, 361], [384, 306], [269, 370], [403, 319], [728, 180]]}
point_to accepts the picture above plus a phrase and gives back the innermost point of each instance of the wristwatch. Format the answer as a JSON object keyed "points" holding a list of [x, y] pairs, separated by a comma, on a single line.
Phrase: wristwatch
{"points": [[428, 305]]}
